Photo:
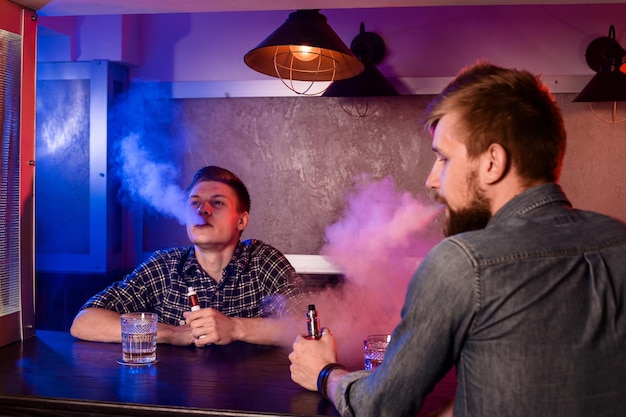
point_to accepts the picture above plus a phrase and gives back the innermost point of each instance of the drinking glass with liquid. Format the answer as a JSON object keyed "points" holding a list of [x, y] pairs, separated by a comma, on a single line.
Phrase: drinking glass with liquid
{"points": [[139, 338], [374, 348]]}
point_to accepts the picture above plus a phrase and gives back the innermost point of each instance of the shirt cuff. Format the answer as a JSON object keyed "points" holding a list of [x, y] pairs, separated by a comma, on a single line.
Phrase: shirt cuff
{"points": [[342, 392]]}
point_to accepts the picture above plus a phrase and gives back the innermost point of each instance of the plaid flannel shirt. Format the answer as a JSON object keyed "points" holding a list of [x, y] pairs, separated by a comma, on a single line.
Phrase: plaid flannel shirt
{"points": [[257, 282]]}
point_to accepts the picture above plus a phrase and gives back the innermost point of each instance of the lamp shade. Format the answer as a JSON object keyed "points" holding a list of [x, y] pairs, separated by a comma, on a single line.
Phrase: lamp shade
{"points": [[604, 55], [604, 86], [304, 48], [370, 49], [369, 83]]}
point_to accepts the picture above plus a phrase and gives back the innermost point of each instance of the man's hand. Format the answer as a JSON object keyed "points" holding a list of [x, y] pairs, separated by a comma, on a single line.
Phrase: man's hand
{"points": [[174, 335], [209, 326], [309, 356]]}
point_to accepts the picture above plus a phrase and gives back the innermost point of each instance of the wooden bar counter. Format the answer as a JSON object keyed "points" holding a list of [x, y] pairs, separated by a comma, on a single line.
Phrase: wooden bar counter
{"points": [[54, 374]]}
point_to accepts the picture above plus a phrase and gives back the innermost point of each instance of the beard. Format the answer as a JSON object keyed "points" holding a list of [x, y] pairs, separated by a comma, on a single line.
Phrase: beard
{"points": [[473, 217]]}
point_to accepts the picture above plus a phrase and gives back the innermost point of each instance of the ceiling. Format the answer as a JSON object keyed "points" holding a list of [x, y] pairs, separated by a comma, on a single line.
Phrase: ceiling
{"points": [[121, 7], [543, 39]]}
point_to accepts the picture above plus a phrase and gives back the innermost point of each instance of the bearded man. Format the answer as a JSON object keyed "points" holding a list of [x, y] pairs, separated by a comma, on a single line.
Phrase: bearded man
{"points": [[526, 297]]}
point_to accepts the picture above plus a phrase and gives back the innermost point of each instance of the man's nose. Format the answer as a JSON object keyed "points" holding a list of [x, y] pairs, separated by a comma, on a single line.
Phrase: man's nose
{"points": [[432, 180], [204, 209]]}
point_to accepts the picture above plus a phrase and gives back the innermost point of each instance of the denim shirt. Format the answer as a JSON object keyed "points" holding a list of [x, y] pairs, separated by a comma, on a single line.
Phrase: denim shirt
{"points": [[531, 310]]}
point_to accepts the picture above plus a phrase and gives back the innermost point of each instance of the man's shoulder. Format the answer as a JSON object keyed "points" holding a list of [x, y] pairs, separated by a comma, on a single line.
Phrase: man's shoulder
{"points": [[173, 251], [258, 247], [263, 253], [173, 254], [568, 231], [450, 251], [595, 216]]}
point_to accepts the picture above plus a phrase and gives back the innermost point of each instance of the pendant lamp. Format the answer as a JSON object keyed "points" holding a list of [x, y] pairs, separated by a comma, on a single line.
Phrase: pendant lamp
{"points": [[304, 48]]}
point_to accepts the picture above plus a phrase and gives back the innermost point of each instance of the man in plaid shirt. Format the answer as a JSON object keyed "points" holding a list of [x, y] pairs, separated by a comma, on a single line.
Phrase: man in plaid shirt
{"points": [[246, 289]]}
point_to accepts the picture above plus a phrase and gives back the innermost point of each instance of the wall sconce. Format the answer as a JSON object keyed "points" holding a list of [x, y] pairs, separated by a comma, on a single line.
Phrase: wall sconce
{"points": [[604, 55], [370, 49], [304, 48]]}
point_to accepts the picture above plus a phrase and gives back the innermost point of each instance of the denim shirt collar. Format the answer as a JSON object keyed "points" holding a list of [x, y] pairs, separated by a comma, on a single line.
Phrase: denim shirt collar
{"points": [[530, 199]]}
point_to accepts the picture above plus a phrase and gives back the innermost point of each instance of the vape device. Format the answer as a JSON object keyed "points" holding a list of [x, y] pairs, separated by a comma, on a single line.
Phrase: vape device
{"points": [[314, 330], [193, 299]]}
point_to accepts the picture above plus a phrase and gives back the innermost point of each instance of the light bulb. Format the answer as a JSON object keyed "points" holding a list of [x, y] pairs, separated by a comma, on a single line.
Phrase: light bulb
{"points": [[304, 52]]}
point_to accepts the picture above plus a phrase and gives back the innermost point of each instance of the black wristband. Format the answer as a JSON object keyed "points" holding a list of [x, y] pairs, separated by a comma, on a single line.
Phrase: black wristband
{"points": [[322, 378]]}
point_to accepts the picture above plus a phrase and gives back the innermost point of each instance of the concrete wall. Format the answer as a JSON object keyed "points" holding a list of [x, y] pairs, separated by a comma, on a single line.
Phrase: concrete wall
{"points": [[300, 157]]}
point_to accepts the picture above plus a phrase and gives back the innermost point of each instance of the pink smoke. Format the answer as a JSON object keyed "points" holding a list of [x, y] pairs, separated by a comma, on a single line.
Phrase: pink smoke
{"points": [[377, 244]]}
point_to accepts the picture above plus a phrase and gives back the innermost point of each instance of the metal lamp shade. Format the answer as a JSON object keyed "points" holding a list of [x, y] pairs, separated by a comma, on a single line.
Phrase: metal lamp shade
{"points": [[369, 83], [604, 86], [329, 59]]}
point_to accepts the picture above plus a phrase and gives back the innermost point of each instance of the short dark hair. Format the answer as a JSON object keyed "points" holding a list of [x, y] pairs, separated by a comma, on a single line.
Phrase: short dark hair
{"points": [[214, 173], [509, 107]]}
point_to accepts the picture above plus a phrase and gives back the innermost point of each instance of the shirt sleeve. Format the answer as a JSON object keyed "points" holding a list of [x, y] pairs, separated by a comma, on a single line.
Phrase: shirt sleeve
{"points": [[141, 290], [437, 314], [282, 284]]}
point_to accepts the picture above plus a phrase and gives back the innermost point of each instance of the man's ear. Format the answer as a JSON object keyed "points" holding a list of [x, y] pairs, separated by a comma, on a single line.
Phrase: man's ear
{"points": [[243, 221], [495, 164]]}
